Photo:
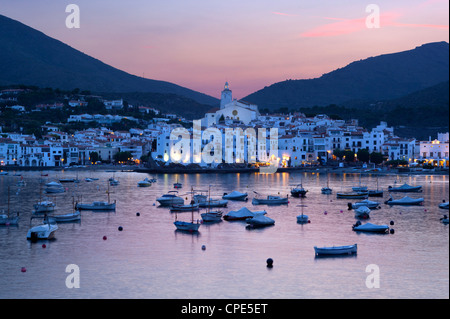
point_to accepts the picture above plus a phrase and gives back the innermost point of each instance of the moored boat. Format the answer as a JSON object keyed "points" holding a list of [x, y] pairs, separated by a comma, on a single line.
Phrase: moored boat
{"points": [[366, 202], [70, 217], [336, 250], [404, 201], [170, 199], [353, 195], [444, 205], [185, 208], [213, 216], [298, 191], [260, 221], [362, 212], [96, 205], [187, 226], [270, 200], [44, 206], [242, 214], [144, 183], [235, 195], [44, 231], [214, 203], [405, 188], [368, 227]]}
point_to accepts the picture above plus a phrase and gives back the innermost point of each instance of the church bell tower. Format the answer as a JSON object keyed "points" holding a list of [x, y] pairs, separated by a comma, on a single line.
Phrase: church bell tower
{"points": [[226, 97]]}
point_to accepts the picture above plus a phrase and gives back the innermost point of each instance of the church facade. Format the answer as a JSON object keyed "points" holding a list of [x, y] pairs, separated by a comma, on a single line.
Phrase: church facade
{"points": [[231, 110]]}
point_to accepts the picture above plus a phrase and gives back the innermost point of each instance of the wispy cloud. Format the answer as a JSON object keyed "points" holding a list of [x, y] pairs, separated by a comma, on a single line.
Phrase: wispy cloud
{"points": [[285, 14], [347, 26]]}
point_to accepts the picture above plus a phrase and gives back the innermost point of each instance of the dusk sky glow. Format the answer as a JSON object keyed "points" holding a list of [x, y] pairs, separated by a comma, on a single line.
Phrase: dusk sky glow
{"points": [[200, 44]]}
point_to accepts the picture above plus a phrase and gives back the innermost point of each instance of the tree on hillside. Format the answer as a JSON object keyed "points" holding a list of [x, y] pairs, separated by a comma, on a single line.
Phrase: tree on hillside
{"points": [[363, 155], [376, 158], [349, 156]]}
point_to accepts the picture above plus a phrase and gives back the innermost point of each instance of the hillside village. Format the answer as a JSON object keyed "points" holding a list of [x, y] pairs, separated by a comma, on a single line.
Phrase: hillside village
{"points": [[302, 140]]}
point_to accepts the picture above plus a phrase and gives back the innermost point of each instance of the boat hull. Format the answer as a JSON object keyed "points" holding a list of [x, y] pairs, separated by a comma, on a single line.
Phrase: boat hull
{"points": [[71, 217], [336, 250], [371, 228], [236, 196], [260, 201], [184, 208], [110, 206], [302, 219], [352, 195], [403, 202], [212, 216], [186, 226]]}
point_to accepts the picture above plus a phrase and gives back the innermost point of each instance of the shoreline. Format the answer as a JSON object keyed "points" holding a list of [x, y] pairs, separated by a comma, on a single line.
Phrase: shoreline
{"points": [[321, 169]]}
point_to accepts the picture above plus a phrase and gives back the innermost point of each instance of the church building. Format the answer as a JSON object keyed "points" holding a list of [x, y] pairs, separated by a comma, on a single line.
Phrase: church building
{"points": [[231, 109]]}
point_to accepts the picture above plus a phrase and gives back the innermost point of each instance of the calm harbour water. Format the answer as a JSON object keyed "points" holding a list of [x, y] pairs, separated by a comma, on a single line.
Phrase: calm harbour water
{"points": [[150, 259]]}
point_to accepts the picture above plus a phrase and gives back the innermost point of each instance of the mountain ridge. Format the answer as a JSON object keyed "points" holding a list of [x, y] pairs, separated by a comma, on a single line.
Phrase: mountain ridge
{"points": [[382, 77], [30, 57]]}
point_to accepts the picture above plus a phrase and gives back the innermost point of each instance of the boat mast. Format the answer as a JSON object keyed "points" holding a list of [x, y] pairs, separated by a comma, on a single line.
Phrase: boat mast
{"points": [[8, 202]]}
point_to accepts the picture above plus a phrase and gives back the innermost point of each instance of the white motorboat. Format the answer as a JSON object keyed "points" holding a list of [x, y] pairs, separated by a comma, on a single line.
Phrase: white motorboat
{"points": [[114, 182], [404, 201], [213, 216], [270, 200], [144, 183], [366, 202], [336, 250], [170, 199], [405, 188], [242, 214], [44, 231], [362, 212], [372, 228], [44, 206], [260, 221], [70, 217], [235, 195], [444, 205]]}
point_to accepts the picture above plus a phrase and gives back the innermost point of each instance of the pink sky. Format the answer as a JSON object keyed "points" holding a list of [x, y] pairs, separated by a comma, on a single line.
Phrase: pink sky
{"points": [[200, 44]]}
